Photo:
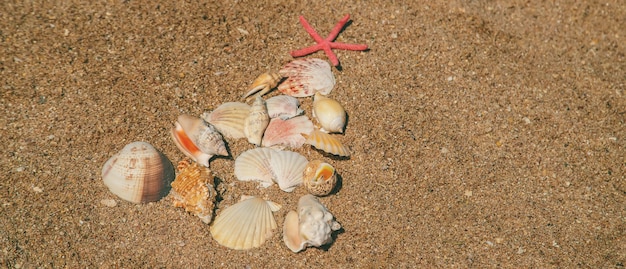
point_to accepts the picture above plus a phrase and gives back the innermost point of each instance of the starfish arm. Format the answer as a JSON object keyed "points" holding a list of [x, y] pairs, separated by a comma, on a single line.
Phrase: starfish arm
{"points": [[331, 55], [345, 46], [335, 32], [305, 51], [310, 30]]}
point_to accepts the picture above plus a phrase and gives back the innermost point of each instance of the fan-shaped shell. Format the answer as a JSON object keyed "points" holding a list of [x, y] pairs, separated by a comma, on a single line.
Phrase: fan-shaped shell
{"points": [[306, 77], [193, 190], [256, 122], [319, 178], [254, 165], [312, 225], [198, 139], [327, 143], [138, 173], [246, 224], [229, 118], [288, 133], [329, 113], [283, 106], [287, 167]]}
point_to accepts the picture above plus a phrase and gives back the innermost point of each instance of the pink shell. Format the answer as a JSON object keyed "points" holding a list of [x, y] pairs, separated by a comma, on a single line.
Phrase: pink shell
{"points": [[287, 132], [305, 77]]}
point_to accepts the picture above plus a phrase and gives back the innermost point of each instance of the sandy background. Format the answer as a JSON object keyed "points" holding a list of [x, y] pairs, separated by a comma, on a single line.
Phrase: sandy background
{"points": [[483, 133]]}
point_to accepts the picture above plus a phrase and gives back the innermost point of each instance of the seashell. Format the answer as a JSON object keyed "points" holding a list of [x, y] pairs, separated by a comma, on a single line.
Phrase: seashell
{"points": [[138, 173], [254, 165], [319, 178], [327, 143], [246, 224], [198, 139], [306, 77], [229, 118], [283, 106], [329, 113], [256, 122], [287, 168], [312, 225], [193, 190], [263, 84], [287, 132]]}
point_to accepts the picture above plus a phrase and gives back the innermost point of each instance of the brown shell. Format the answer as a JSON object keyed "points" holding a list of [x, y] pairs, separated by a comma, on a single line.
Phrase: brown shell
{"points": [[319, 178], [193, 190]]}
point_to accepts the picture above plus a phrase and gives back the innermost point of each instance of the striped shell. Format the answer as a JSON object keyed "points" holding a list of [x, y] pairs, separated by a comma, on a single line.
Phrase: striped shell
{"points": [[229, 118], [305, 77], [267, 166], [327, 143], [193, 190]]}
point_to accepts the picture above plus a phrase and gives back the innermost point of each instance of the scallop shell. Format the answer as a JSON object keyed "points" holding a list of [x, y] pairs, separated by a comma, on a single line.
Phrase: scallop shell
{"points": [[287, 132], [329, 113], [246, 224], [138, 173], [229, 118], [319, 178], [256, 122], [327, 143], [283, 106], [263, 84], [312, 225], [306, 77], [193, 190], [288, 168], [198, 139], [254, 165]]}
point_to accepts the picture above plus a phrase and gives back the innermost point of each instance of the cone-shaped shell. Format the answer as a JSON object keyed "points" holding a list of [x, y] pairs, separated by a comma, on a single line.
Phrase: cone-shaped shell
{"points": [[138, 173], [193, 190], [327, 143], [287, 132], [254, 165], [198, 139], [283, 106], [288, 168], [319, 178], [246, 224], [312, 225], [329, 113], [229, 118], [256, 122], [306, 77]]}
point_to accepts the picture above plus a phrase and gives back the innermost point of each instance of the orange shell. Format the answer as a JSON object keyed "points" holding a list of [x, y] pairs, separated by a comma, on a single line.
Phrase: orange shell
{"points": [[193, 190]]}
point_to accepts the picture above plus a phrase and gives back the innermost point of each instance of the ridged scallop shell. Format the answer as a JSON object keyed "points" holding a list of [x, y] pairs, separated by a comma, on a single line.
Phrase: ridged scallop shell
{"points": [[229, 118], [329, 113], [319, 178], [327, 143], [287, 132], [305, 77], [246, 224], [138, 173], [263, 84], [254, 165], [198, 139], [288, 168], [312, 225], [256, 122], [283, 106], [193, 190]]}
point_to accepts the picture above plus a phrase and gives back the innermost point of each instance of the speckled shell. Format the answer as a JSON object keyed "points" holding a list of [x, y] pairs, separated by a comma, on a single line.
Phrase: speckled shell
{"points": [[283, 106], [138, 173], [319, 178], [287, 133], [256, 122], [329, 113], [229, 118], [327, 143], [305, 77], [312, 225], [198, 139], [193, 190]]}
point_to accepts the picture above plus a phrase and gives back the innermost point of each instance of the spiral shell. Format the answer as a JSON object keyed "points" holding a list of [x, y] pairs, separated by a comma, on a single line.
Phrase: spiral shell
{"points": [[319, 178], [198, 139], [229, 118], [256, 122], [329, 113], [193, 190], [312, 225]]}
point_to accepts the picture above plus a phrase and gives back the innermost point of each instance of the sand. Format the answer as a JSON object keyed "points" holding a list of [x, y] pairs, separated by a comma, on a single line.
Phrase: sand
{"points": [[483, 133]]}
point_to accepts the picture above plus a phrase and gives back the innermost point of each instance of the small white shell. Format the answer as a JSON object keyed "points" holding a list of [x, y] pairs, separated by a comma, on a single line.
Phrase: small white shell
{"points": [[138, 173], [198, 139], [254, 165], [246, 224], [229, 118], [283, 106], [312, 225], [319, 178], [306, 77], [327, 143], [256, 122], [288, 168], [287, 132], [329, 113]]}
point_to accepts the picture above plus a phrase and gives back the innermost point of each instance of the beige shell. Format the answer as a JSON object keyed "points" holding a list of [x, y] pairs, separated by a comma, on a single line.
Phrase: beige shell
{"points": [[229, 118], [256, 122], [283, 106], [327, 143], [307, 76], [287, 133], [263, 84], [138, 173], [287, 168], [267, 166], [198, 139], [193, 190], [246, 224], [312, 225], [319, 178], [329, 113]]}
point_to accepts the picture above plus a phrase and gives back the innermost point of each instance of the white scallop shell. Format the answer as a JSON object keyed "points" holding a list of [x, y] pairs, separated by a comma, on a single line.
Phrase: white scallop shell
{"points": [[329, 113], [246, 224], [312, 225], [306, 77], [198, 139], [254, 165], [288, 167], [138, 173], [256, 122], [229, 118], [327, 143], [283, 106], [287, 132]]}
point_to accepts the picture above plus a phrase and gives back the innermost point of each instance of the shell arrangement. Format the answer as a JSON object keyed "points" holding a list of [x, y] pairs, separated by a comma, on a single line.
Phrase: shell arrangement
{"points": [[274, 126]]}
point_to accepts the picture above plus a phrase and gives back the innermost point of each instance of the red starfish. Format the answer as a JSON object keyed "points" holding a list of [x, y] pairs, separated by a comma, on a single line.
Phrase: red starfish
{"points": [[327, 44]]}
